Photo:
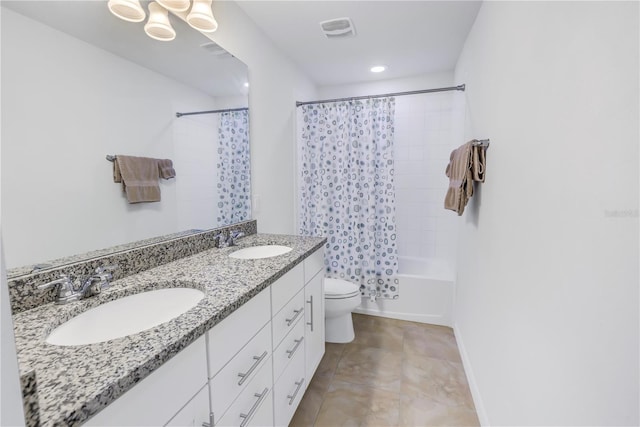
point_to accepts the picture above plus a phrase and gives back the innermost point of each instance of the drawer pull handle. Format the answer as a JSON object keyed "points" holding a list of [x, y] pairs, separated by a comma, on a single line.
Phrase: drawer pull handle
{"points": [[292, 397], [244, 376], [247, 417], [295, 348], [311, 316], [296, 313]]}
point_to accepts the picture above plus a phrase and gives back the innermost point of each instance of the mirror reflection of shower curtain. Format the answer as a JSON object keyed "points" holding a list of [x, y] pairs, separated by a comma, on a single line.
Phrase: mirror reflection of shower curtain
{"points": [[233, 168], [347, 192]]}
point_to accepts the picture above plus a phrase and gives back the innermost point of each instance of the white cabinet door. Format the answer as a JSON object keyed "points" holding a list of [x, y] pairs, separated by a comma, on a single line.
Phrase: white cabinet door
{"points": [[161, 395], [195, 413], [313, 264], [314, 323]]}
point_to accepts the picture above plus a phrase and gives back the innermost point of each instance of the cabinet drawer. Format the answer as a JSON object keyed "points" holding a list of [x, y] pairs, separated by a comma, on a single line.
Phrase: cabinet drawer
{"points": [[285, 287], [313, 264], [285, 320], [226, 338], [288, 390], [240, 370], [292, 344], [254, 405]]}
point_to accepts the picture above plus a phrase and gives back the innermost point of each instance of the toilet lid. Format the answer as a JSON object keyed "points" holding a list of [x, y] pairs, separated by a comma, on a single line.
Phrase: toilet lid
{"points": [[338, 288]]}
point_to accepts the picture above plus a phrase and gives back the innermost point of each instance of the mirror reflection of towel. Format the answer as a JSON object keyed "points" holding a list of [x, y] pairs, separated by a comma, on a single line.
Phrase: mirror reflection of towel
{"points": [[139, 178], [166, 169]]}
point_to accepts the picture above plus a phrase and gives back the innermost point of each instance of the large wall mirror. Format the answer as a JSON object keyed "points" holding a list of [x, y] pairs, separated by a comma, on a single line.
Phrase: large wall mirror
{"points": [[79, 84]]}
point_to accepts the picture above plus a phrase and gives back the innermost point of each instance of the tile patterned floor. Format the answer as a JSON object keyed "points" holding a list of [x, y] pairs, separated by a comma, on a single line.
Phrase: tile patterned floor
{"points": [[395, 373]]}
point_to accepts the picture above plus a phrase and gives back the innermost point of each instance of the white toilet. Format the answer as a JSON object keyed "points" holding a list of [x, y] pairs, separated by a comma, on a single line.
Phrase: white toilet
{"points": [[340, 298]]}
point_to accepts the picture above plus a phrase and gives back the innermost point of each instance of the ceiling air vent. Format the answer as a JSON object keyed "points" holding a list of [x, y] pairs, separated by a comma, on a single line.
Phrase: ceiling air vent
{"points": [[339, 27]]}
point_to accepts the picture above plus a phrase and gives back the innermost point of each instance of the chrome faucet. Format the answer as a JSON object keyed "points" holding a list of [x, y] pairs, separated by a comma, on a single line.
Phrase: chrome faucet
{"points": [[224, 242], [233, 236], [92, 285]]}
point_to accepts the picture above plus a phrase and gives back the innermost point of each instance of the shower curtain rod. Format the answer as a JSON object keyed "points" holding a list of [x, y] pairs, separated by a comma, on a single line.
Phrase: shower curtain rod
{"points": [[227, 110], [412, 92]]}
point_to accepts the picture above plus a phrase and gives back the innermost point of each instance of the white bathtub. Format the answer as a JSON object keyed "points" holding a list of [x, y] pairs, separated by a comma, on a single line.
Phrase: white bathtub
{"points": [[426, 293]]}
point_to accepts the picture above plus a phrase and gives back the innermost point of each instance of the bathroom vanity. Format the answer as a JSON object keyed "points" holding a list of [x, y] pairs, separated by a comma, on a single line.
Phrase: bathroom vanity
{"points": [[243, 355]]}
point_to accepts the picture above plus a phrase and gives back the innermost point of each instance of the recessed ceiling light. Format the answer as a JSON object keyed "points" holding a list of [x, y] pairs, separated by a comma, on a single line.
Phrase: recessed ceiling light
{"points": [[246, 84], [378, 69]]}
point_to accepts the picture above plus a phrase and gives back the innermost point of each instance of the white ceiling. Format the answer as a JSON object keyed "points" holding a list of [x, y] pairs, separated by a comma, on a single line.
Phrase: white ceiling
{"points": [[409, 37]]}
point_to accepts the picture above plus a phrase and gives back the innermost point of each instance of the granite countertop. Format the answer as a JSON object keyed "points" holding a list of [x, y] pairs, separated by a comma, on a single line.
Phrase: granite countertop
{"points": [[76, 382]]}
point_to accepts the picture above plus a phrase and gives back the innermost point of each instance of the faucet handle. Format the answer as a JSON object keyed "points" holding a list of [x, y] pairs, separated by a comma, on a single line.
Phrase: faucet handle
{"points": [[236, 234], [233, 236], [66, 291], [104, 271], [64, 280], [222, 240]]}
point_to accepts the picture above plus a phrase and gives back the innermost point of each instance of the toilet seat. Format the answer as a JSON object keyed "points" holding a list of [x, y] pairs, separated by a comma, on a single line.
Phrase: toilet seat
{"points": [[340, 289]]}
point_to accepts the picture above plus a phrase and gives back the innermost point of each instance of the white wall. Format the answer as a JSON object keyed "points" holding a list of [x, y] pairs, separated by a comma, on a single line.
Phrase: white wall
{"points": [[66, 105], [11, 410], [275, 85], [547, 298], [424, 138], [196, 192]]}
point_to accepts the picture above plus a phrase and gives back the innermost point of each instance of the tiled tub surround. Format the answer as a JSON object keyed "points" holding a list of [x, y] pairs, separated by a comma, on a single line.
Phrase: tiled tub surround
{"points": [[130, 259], [76, 382]]}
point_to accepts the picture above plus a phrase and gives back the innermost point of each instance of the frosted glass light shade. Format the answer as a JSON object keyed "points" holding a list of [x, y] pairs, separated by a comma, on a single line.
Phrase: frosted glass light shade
{"points": [[158, 26], [201, 16], [129, 10], [175, 5]]}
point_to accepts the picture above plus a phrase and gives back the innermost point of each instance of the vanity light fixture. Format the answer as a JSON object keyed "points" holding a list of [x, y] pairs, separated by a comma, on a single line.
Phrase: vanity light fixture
{"points": [[378, 69], [175, 5], [158, 26], [201, 16], [129, 10]]}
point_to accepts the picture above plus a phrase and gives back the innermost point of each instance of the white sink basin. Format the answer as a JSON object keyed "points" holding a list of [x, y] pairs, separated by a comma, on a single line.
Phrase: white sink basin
{"points": [[257, 252], [125, 316]]}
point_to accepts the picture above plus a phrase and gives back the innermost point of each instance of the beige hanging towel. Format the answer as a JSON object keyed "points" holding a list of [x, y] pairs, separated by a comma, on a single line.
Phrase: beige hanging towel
{"points": [[466, 164], [139, 178]]}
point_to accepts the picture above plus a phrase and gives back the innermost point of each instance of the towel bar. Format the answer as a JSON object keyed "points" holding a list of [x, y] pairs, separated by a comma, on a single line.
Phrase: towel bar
{"points": [[111, 158], [481, 142]]}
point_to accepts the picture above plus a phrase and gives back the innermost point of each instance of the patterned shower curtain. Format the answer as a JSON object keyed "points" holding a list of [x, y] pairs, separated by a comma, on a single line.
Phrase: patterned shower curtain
{"points": [[234, 179], [347, 192]]}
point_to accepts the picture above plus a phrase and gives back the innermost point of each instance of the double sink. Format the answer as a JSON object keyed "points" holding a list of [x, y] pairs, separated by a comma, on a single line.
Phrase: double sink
{"points": [[136, 313]]}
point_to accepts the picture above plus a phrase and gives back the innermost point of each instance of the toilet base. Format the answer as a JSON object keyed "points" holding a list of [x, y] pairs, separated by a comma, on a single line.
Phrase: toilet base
{"points": [[339, 329]]}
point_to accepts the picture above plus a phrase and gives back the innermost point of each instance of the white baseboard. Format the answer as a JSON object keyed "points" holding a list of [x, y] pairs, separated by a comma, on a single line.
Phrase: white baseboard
{"points": [[473, 385], [411, 317]]}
